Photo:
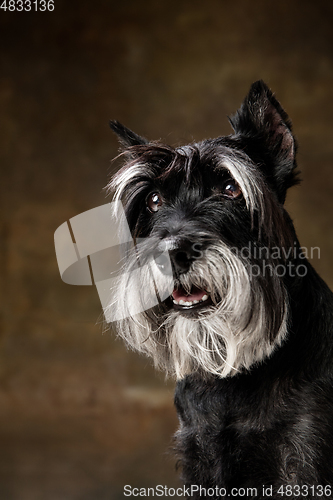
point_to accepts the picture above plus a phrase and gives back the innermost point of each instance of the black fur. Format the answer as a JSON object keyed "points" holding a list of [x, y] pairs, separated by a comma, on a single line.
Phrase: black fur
{"points": [[271, 425]]}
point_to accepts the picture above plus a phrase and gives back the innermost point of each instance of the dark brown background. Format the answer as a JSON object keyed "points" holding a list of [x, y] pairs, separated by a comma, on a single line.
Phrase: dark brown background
{"points": [[79, 415]]}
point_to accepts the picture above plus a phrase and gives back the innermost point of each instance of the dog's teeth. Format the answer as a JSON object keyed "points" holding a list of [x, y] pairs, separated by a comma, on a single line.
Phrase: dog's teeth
{"points": [[188, 303]]}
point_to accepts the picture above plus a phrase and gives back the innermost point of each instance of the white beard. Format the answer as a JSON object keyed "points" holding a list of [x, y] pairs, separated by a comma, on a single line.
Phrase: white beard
{"points": [[235, 332]]}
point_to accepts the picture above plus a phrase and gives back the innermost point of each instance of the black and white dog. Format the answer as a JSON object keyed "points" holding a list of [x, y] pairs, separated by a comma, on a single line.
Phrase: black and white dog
{"points": [[247, 327]]}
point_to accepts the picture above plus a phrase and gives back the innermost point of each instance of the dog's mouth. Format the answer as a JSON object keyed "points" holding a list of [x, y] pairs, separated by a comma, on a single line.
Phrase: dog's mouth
{"points": [[196, 299]]}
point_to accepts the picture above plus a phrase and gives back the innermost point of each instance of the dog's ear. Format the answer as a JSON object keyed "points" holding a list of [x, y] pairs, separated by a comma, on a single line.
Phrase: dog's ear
{"points": [[127, 137], [266, 133]]}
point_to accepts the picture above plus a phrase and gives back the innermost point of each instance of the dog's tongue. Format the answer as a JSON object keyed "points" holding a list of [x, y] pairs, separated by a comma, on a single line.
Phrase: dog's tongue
{"points": [[180, 294]]}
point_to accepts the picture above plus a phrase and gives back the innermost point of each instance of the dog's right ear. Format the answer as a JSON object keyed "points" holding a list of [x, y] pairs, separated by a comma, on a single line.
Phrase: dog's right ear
{"points": [[127, 137], [266, 132]]}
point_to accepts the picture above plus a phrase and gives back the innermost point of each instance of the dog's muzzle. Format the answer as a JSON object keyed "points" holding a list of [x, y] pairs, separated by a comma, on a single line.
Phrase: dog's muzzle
{"points": [[182, 257]]}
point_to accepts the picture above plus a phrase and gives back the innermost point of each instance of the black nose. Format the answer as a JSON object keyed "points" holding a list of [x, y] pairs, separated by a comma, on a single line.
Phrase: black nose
{"points": [[182, 257], [181, 260]]}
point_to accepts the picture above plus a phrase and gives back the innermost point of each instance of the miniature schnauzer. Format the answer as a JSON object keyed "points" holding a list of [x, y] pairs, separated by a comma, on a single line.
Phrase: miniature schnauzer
{"points": [[247, 328]]}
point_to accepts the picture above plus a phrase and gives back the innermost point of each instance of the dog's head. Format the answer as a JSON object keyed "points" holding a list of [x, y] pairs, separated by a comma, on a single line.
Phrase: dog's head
{"points": [[206, 217]]}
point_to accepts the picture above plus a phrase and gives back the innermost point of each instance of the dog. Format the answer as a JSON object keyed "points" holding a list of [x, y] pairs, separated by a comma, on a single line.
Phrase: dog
{"points": [[247, 325]]}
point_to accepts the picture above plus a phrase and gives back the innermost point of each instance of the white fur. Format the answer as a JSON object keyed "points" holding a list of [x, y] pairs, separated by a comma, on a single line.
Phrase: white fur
{"points": [[227, 337]]}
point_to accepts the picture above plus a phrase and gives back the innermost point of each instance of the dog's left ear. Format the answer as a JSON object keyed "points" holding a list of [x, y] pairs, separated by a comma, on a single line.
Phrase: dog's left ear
{"points": [[266, 133], [127, 137]]}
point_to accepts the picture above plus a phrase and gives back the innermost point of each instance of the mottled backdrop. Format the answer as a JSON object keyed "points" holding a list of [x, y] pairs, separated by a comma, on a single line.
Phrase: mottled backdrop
{"points": [[80, 416]]}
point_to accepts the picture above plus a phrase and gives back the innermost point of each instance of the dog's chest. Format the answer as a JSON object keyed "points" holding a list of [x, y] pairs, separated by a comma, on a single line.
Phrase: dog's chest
{"points": [[225, 437], [214, 406]]}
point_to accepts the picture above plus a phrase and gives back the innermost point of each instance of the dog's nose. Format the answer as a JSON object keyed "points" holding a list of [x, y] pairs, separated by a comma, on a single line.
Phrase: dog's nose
{"points": [[182, 258]]}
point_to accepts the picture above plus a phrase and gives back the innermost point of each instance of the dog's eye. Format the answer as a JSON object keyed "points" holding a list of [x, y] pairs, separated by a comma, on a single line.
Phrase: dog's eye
{"points": [[154, 201], [232, 190]]}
